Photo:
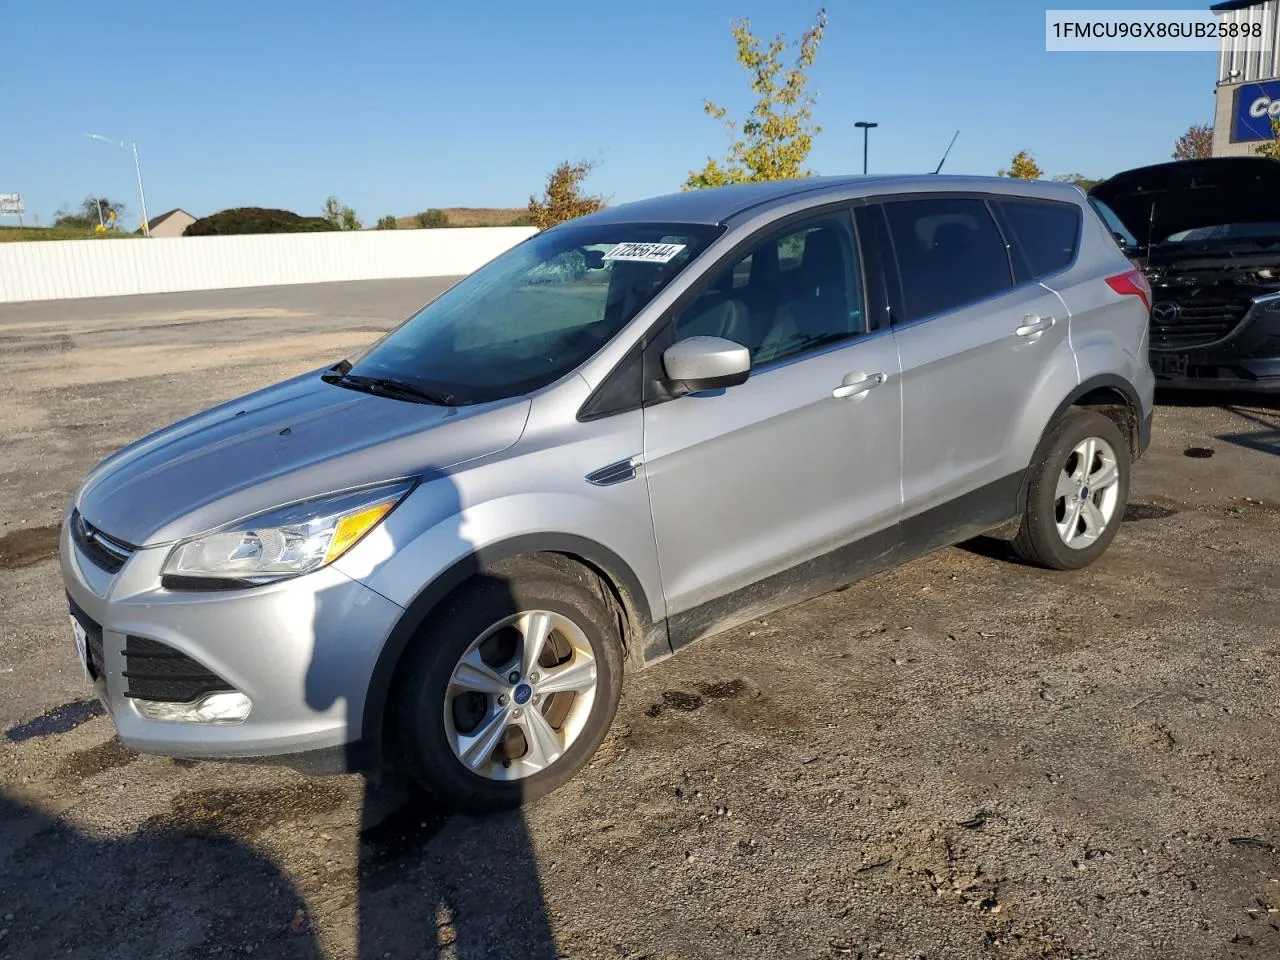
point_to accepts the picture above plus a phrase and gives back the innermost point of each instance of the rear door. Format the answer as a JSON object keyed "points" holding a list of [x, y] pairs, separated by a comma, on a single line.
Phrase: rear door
{"points": [[798, 461], [982, 344]]}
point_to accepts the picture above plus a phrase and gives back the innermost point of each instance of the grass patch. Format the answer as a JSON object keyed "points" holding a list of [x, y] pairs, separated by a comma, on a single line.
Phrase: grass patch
{"points": [[22, 234]]}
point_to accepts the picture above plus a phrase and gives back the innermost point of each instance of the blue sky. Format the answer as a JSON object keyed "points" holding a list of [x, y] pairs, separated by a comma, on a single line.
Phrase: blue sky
{"points": [[396, 107]]}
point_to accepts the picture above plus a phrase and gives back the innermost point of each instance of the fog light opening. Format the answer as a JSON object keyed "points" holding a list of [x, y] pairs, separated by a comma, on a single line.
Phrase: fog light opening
{"points": [[214, 708]]}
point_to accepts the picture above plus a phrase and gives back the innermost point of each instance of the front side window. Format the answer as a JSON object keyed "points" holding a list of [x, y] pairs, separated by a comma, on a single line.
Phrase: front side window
{"points": [[1047, 233], [536, 312], [796, 290], [949, 251]]}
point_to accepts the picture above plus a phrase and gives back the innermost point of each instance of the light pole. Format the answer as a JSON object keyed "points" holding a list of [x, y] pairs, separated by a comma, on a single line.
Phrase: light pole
{"points": [[864, 126], [142, 197]]}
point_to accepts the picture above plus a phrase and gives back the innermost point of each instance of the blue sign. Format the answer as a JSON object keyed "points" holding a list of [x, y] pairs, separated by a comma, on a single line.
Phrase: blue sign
{"points": [[1256, 105]]}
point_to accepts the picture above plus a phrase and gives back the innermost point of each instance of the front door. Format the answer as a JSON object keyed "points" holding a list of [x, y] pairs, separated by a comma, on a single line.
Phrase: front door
{"points": [[800, 460]]}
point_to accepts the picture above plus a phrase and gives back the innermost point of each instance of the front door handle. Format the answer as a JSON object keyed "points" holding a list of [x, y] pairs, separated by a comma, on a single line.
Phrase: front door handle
{"points": [[1031, 325], [858, 387]]}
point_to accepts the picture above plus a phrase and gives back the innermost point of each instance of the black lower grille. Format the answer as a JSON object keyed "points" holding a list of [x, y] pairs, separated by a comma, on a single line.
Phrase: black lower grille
{"points": [[1195, 321], [93, 640], [159, 672]]}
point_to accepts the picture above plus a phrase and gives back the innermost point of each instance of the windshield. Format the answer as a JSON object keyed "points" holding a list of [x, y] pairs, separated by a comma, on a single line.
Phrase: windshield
{"points": [[1227, 231], [536, 312]]}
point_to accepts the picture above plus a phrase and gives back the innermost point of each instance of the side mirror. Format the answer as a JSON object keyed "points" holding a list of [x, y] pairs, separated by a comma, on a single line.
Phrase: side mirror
{"points": [[705, 363]]}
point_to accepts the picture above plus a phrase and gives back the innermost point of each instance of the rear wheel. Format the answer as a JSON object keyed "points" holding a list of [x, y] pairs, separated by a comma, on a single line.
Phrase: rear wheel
{"points": [[510, 688], [1077, 493]]}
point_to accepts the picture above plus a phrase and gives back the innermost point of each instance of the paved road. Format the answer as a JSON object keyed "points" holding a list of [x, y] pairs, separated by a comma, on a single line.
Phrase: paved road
{"points": [[381, 300], [961, 758]]}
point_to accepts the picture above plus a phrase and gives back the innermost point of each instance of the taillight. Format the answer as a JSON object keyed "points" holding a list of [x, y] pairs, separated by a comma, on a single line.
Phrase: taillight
{"points": [[1134, 284]]}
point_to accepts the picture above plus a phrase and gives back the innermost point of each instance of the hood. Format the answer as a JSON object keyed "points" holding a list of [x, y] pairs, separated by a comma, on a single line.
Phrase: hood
{"points": [[1187, 194], [298, 439]]}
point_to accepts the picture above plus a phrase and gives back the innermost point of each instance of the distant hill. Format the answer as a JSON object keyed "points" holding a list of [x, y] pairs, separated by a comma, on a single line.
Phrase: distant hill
{"points": [[471, 217]]}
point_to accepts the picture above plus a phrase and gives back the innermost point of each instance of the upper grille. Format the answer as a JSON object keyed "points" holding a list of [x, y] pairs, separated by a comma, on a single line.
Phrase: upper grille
{"points": [[159, 672], [106, 552], [1195, 321]]}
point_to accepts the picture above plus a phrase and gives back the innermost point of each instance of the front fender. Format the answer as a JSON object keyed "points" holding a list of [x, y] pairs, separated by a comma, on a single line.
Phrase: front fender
{"points": [[417, 568], [429, 534]]}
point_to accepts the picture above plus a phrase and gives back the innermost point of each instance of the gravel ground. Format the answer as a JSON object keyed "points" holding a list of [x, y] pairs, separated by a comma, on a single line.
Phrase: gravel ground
{"points": [[963, 757]]}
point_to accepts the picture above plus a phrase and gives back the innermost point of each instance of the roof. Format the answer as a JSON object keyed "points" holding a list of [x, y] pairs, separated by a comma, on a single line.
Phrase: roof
{"points": [[156, 221], [719, 204]]}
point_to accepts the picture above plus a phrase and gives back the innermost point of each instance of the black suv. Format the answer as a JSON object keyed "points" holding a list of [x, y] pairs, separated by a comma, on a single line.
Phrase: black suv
{"points": [[1207, 235]]}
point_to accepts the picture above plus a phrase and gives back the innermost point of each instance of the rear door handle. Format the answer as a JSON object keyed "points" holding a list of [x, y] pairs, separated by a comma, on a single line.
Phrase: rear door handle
{"points": [[1032, 325], [858, 387]]}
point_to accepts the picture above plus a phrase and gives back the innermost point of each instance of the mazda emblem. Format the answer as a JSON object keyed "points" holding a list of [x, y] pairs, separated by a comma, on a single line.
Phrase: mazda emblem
{"points": [[1165, 311]]}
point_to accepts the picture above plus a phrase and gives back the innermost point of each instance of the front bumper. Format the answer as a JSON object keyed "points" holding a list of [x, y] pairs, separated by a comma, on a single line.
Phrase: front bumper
{"points": [[302, 650], [1246, 359]]}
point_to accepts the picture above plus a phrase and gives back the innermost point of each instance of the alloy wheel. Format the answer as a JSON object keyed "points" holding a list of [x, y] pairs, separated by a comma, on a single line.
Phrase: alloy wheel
{"points": [[520, 695], [1087, 493]]}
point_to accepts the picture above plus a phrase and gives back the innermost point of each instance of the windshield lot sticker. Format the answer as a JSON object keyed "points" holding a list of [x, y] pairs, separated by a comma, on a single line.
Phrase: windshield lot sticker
{"points": [[645, 252]]}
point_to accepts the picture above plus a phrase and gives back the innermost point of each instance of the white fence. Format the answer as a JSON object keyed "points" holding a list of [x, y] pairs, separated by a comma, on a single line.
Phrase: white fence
{"points": [[64, 269]]}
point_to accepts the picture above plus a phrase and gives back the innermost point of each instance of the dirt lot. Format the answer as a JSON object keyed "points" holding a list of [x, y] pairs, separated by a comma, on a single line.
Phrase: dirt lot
{"points": [[960, 758]]}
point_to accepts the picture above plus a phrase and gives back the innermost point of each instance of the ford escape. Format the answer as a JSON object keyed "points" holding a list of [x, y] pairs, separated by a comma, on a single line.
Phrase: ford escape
{"points": [[626, 433]]}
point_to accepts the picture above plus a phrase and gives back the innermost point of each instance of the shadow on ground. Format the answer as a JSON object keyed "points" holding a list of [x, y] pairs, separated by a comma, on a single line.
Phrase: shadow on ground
{"points": [[458, 886], [155, 893], [1265, 438], [194, 882]]}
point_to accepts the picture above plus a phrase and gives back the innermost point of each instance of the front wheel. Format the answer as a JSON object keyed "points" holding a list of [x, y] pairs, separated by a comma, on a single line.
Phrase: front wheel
{"points": [[510, 688], [1077, 493]]}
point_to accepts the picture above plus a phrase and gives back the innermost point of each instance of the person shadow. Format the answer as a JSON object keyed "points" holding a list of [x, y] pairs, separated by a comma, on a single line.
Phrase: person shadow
{"points": [[158, 892], [432, 882]]}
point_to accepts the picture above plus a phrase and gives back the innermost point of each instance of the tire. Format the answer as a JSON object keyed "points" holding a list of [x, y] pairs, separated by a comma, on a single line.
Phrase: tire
{"points": [[433, 716], [1056, 477]]}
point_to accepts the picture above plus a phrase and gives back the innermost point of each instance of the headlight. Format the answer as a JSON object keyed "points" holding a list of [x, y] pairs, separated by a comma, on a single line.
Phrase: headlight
{"points": [[287, 541]]}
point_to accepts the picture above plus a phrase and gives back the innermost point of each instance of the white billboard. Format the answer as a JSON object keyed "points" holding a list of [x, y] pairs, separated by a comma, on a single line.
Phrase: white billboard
{"points": [[11, 203]]}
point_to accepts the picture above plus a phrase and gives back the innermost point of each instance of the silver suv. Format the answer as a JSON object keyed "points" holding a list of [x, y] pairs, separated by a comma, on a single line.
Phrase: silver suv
{"points": [[628, 432]]}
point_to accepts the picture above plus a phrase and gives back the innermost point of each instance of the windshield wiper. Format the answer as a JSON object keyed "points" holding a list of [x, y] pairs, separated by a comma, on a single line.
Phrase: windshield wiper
{"points": [[388, 387]]}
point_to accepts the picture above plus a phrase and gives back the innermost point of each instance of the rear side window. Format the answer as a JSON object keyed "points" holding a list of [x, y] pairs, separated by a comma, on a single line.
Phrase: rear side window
{"points": [[1046, 232], [1119, 231], [949, 252]]}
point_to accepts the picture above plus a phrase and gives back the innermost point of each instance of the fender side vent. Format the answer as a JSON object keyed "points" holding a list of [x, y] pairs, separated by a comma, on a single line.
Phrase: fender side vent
{"points": [[614, 472]]}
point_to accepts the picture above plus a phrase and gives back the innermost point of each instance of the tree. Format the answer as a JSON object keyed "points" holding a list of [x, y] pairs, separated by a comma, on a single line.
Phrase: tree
{"points": [[1078, 180], [255, 220], [774, 140], [431, 218], [92, 212], [1271, 148], [563, 199], [1195, 144], [1022, 167], [387, 223], [342, 217]]}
